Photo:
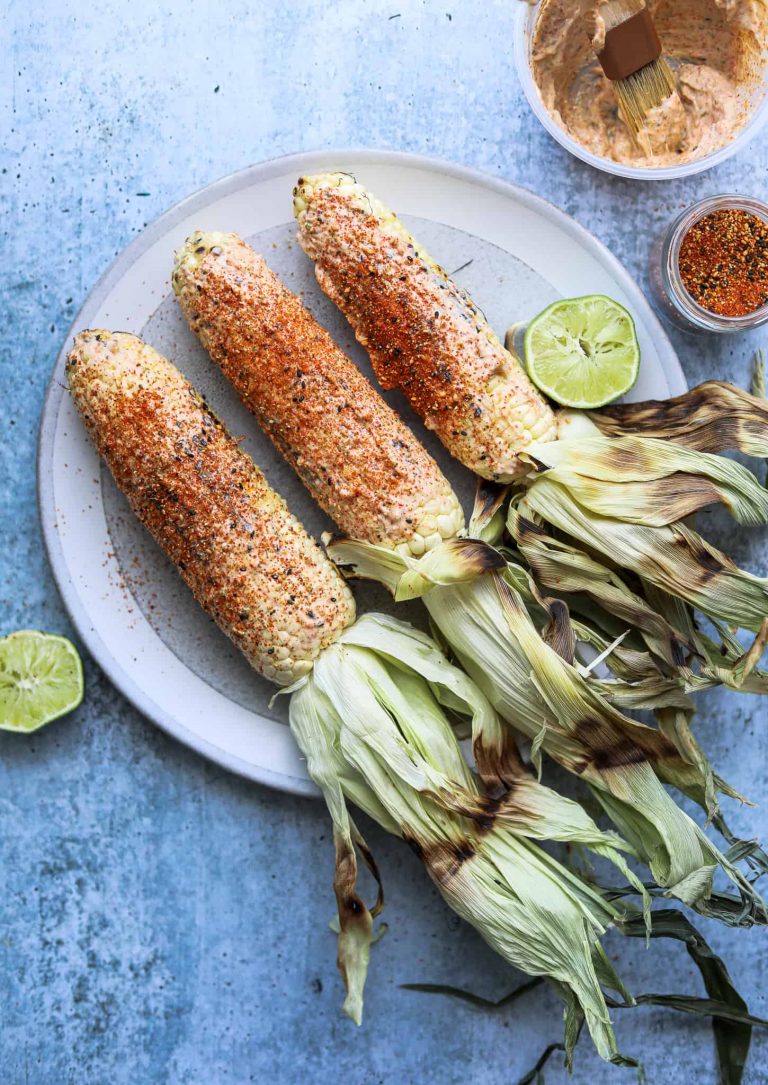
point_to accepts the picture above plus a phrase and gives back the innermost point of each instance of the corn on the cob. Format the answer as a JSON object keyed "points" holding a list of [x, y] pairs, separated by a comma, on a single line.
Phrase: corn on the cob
{"points": [[367, 710], [423, 333], [359, 460], [249, 562]]}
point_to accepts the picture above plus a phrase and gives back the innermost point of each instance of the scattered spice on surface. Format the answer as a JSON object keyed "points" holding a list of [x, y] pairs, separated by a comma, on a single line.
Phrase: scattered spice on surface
{"points": [[724, 262]]}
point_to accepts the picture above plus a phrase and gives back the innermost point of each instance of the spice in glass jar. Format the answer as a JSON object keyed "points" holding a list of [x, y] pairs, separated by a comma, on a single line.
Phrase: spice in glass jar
{"points": [[724, 262]]}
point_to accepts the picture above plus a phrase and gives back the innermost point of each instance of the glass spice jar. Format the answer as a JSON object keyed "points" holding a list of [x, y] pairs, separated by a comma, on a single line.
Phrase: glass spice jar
{"points": [[667, 282]]}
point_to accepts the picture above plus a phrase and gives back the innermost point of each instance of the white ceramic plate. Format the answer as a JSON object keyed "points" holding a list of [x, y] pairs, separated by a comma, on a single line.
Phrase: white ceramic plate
{"points": [[515, 253]]}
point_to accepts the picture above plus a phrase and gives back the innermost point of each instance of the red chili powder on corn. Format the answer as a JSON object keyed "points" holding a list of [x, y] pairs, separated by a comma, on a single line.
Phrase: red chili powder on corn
{"points": [[724, 262]]}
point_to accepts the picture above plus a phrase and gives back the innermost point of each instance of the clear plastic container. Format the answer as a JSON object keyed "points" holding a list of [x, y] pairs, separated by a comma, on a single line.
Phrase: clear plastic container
{"points": [[671, 295], [525, 20]]}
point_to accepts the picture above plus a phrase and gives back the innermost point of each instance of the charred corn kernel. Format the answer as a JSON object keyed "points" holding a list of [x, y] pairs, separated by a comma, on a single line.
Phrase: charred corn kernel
{"points": [[423, 333], [248, 561], [355, 455]]}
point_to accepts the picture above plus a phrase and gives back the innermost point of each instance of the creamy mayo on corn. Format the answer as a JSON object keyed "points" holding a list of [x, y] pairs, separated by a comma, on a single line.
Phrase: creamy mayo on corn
{"points": [[716, 48]]}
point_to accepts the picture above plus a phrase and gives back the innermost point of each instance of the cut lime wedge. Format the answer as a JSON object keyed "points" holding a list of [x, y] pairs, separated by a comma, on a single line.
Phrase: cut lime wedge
{"points": [[583, 352], [41, 678]]}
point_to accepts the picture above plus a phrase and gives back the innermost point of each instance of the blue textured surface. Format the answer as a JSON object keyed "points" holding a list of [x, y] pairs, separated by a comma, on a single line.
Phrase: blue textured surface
{"points": [[161, 921]]}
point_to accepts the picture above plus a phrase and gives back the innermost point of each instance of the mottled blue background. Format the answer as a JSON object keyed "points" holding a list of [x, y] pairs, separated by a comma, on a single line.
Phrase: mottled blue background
{"points": [[160, 920]]}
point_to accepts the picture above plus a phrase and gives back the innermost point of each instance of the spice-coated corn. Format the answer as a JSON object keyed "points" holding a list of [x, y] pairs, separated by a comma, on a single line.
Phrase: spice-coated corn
{"points": [[248, 561], [358, 459], [423, 333]]}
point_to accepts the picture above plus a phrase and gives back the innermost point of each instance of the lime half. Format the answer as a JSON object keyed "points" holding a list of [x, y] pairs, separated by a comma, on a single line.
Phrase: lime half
{"points": [[41, 678], [583, 352]]}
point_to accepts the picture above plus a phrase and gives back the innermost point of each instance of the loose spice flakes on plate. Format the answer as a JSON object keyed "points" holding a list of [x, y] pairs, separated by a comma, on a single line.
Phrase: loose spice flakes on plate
{"points": [[724, 262]]}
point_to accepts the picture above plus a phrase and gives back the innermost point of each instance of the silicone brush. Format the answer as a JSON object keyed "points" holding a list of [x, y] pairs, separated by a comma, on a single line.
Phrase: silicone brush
{"points": [[631, 57]]}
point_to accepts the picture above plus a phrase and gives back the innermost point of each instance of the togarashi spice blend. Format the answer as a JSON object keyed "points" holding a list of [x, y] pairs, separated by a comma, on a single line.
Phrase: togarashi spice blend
{"points": [[724, 262]]}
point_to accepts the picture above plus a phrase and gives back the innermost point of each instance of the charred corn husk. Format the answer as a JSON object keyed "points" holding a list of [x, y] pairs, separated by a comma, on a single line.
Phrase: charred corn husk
{"points": [[713, 417], [384, 745], [367, 700], [626, 498], [390, 290], [485, 619], [423, 333], [359, 460], [248, 561]]}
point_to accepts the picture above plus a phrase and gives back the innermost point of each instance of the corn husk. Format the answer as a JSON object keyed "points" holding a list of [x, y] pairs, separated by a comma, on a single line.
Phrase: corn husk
{"points": [[625, 498], [488, 518], [674, 558], [731, 664], [732, 1022], [623, 761], [656, 480], [565, 568], [758, 384], [371, 721], [485, 621], [713, 417], [665, 623], [638, 679], [646, 481], [643, 685]]}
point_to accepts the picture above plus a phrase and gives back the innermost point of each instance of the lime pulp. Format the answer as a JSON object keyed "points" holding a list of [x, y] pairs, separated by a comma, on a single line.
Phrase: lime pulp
{"points": [[41, 678], [583, 352]]}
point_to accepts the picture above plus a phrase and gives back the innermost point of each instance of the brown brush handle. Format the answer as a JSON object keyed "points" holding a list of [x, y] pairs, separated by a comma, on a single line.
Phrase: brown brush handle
{"points": [[630, 46]]}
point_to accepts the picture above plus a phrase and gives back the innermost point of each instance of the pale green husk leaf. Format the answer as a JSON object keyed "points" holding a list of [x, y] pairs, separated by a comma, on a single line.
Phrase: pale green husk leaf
{"points": [[619, 757], [565, 568], [370, 722], [663, 621], [674, 558], [550, 702]]}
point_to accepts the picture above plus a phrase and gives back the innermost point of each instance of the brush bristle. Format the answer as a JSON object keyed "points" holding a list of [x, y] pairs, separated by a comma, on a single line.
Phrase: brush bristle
{"points": [[644, 91], [615, 12]]}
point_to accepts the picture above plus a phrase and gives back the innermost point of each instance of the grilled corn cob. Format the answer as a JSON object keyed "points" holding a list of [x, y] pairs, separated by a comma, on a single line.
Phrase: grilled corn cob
{"points": [[367, 711], [359, 460], [248, 561], [423, 333]]}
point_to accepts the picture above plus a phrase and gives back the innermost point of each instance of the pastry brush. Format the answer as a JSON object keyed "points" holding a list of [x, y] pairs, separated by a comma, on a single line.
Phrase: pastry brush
{"points": [[632, 59]]}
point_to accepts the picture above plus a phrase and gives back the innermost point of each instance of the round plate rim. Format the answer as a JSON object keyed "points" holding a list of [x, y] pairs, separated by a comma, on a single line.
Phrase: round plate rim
{"points": [[303, 162]]}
